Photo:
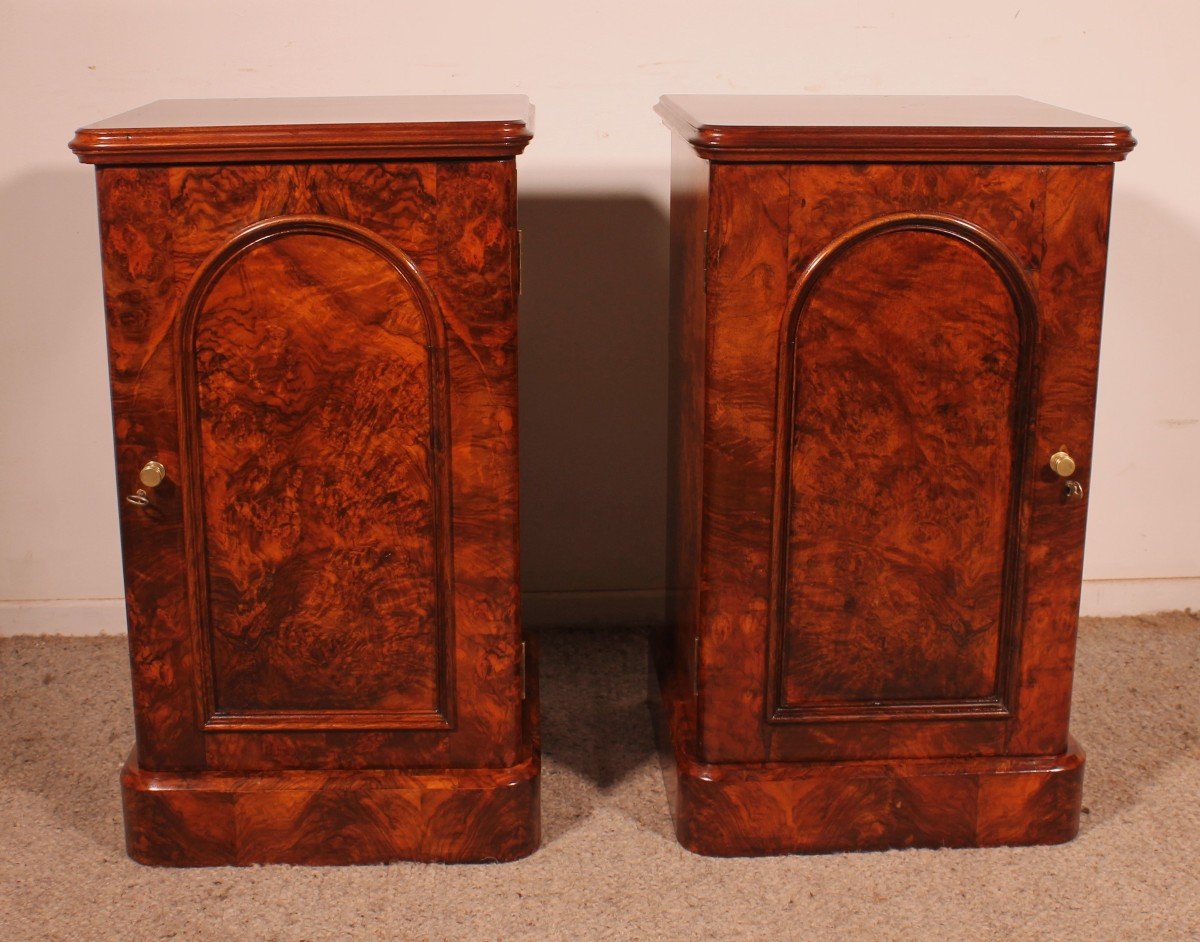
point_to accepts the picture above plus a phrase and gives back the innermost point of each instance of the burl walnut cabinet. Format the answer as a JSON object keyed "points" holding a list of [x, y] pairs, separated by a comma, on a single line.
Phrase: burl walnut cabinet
{"points": [[311, 312], [885, 326]]}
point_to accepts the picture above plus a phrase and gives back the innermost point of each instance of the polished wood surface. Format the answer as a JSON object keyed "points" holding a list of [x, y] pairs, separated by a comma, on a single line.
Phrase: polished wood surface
{"points": [[1032, 519], [298, 129], [323, 499], [758, 809], [323, 357], [975, 128], [338, 816], [884, 365], [872, 363], [316, 818]]}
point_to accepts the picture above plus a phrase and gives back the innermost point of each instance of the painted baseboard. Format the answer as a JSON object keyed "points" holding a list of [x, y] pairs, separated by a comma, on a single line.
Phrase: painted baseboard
{"points": [[62, 617], [1108, 597], [1101, 597]]}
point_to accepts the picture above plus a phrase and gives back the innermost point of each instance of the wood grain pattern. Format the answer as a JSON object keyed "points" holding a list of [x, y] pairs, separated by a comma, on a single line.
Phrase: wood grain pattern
{"points": [[757, 809], [312, 818], [886, 570], [165, 224], [905, 369], [1072, 278], [337, 817], [475, 283], [136, 243], [315, 414], [746, 277], [778, 221], [323, 592]]}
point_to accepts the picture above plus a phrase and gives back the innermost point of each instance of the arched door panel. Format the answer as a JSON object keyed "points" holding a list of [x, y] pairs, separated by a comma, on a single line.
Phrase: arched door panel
{"points": [[314, 417], [905, 368]]}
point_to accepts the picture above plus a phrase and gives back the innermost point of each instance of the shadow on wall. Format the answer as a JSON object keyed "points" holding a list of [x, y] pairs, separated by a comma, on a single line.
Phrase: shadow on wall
{"points": [[593, 399]]}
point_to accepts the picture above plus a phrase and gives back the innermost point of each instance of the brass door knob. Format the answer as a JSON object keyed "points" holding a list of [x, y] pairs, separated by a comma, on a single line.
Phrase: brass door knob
{"points": [[152, 474], [1062, 464]]}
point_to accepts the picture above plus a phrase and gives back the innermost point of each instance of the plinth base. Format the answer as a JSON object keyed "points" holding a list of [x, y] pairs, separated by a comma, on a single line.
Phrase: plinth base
{"points": [[199, 819], [746, 810]]}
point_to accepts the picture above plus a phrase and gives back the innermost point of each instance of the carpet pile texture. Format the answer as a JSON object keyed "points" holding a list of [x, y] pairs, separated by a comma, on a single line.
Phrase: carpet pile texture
{"points": [[609, 867]]}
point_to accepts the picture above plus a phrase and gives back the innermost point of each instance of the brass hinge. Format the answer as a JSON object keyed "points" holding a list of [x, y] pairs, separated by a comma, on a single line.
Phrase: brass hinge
{"points": [[696, 666], [523, 670]]}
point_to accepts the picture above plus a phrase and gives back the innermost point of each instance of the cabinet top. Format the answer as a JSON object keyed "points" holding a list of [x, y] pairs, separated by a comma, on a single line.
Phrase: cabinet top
{"points": [[841, 128], [228, 130]]}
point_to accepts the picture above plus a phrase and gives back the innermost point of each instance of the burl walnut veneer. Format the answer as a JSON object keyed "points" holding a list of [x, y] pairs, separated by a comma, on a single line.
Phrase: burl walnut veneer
{"points": [[885, 326], [311, 310]]}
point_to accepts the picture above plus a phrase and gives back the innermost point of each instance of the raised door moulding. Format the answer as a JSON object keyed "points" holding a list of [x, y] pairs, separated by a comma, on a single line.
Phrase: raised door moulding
{"points": [[1000, 703], [213, 717]]}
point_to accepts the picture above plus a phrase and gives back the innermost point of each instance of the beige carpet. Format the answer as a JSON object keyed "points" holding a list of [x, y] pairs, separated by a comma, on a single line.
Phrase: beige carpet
{"points": [[609, 868]]}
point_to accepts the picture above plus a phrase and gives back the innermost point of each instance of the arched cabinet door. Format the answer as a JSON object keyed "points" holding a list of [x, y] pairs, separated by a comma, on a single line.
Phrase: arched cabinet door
{"points": [[321, 358], [314, 420], [902, 439], [887, 556]]}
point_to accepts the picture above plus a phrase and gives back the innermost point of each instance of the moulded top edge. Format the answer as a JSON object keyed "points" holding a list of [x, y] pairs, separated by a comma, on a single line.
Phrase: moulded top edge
{"points": [[171, 131], [882, 127]]}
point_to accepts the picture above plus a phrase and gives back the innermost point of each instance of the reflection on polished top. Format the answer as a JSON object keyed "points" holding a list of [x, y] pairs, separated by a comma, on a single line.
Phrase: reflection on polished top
{"points": [[252, 129], [891, 127]]}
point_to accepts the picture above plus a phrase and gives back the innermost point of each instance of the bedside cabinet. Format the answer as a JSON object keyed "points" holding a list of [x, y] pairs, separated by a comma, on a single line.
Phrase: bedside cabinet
{"points": [[311, 312], [885, 327]]}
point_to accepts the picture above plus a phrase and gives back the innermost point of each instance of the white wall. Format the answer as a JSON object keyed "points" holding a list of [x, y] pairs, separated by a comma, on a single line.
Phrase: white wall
{"points": [[594, 189]]}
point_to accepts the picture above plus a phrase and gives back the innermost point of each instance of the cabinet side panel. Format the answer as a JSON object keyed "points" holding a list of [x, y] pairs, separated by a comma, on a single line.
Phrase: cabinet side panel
{"points": [[476, 287], [1075, 241], [685, 413], [747, 295], [139, 294]]}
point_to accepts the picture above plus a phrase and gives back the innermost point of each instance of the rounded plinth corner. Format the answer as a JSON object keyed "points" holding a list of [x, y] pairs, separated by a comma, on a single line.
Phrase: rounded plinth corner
{"points": [[328, 818]]}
